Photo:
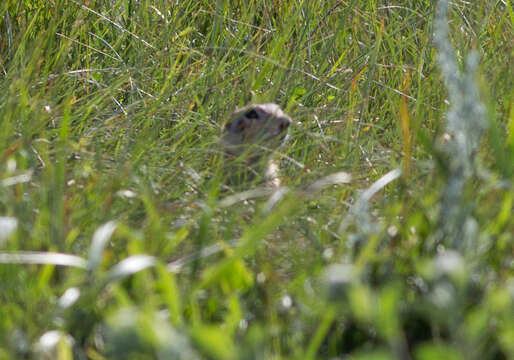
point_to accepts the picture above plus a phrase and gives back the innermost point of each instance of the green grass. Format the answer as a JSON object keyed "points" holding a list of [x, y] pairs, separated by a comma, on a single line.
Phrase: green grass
{"points": [[109, 117]]}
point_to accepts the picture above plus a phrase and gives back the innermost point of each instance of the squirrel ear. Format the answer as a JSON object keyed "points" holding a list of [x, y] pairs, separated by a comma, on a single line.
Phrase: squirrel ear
{"points": [[227, 126], [238, 125], [241, 124]]}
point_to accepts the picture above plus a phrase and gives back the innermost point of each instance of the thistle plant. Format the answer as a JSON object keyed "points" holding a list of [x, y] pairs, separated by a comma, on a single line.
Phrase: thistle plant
{"points": [[465, 124]]}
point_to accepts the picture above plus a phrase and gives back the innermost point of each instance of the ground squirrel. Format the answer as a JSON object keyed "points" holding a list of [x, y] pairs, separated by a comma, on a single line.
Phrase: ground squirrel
{"points": [[252, 134]]}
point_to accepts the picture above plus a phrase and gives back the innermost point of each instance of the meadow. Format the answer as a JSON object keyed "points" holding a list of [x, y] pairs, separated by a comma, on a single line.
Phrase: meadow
{"points": [[393, 234]]}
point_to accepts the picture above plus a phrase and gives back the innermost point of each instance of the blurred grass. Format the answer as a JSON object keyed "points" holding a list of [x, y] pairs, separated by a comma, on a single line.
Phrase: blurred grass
{"points": [[110, 111]]}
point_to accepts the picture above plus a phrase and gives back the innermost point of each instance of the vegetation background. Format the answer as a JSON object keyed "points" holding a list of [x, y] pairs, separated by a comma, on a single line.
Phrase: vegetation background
{"points": [[119, 240]]}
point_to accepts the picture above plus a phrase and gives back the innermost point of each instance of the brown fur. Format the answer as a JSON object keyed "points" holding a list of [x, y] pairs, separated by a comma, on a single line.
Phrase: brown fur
{"points": [[252, 133]]}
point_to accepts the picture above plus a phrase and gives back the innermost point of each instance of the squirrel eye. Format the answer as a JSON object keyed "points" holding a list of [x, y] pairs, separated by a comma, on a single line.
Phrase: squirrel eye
{"points": [[252, 114]]}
